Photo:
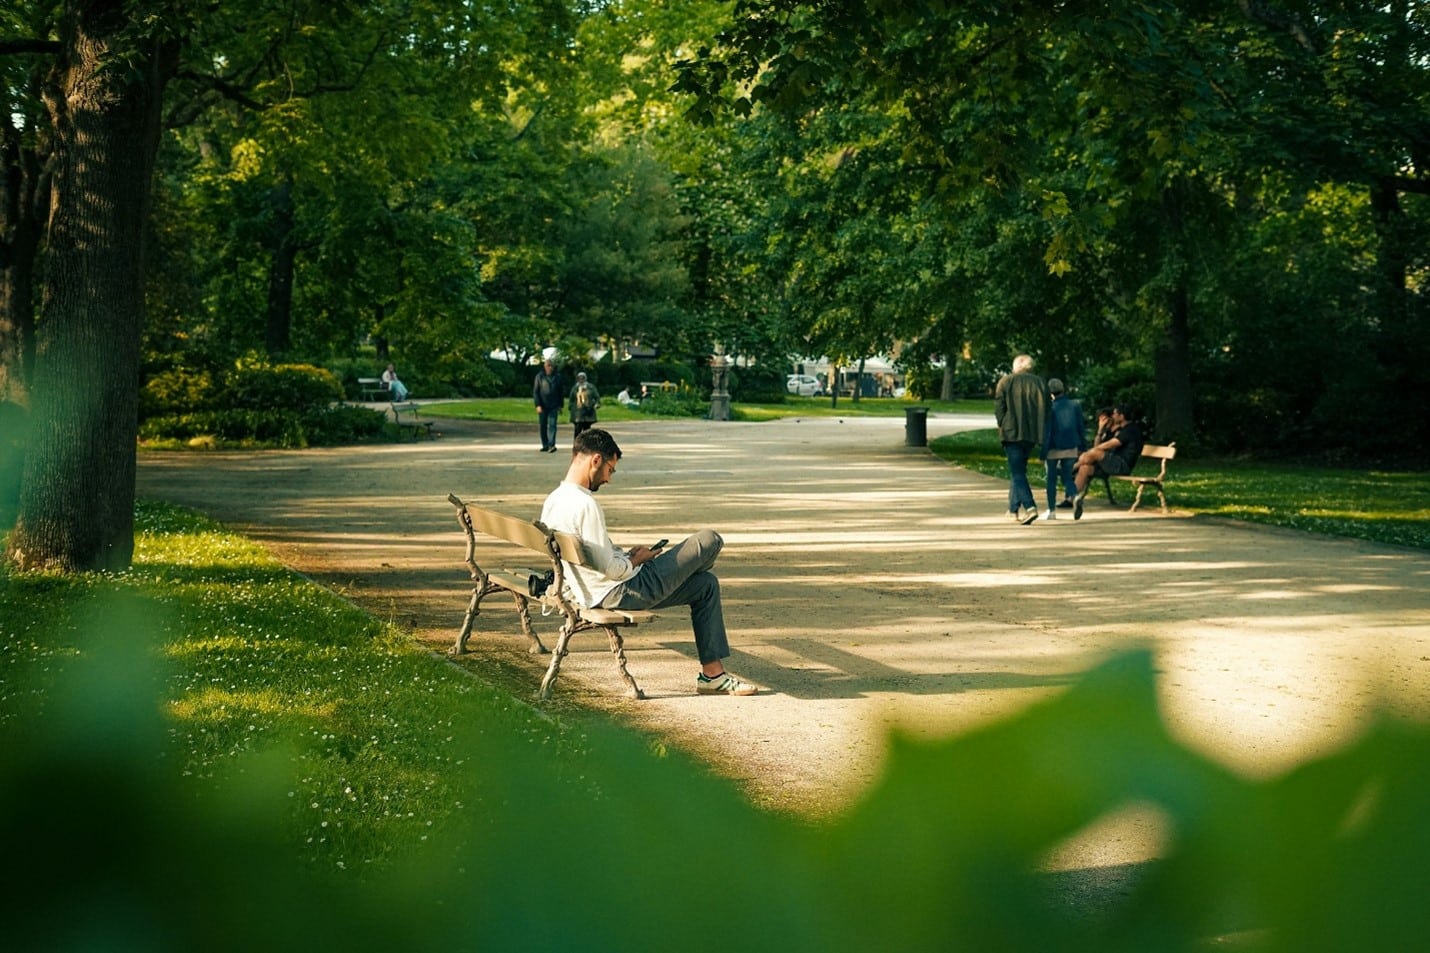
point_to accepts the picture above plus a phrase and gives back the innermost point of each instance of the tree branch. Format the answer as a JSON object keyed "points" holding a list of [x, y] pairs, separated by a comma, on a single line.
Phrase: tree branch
{"points": [[51, 47]]}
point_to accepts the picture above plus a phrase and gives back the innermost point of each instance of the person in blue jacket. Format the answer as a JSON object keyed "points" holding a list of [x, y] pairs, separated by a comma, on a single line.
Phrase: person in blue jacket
{"points": [[1064, 440]]}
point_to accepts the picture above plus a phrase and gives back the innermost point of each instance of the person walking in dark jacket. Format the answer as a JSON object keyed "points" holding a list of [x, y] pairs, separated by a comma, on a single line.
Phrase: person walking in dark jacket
{"points": [[548, 393], [1020, 405]]}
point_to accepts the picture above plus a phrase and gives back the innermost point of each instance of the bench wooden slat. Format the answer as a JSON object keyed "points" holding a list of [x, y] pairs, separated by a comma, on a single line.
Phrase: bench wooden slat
{"points": [[528, 533], [618, 616]]}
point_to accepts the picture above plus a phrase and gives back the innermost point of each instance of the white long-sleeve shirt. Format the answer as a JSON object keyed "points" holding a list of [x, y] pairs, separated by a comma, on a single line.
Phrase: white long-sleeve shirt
{"points": [[571, 508]]}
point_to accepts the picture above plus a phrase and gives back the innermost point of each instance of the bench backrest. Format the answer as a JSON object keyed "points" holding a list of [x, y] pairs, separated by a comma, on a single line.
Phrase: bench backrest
{"points": [[1159, 452], [528, 533]]}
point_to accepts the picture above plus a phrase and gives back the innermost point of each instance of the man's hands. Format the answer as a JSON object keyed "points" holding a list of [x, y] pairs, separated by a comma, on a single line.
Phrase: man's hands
{"points": [[644, 554]]}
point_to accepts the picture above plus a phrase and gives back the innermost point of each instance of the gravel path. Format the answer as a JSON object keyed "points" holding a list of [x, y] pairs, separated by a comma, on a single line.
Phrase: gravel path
{"points": [[867, 585]]}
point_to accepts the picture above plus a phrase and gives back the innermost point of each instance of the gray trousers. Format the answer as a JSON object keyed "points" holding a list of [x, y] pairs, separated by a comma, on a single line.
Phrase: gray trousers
{"points": [[681, 576]]}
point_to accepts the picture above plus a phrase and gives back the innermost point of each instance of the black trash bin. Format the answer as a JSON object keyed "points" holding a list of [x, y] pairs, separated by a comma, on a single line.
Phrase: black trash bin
{"points": [[916, 430]]}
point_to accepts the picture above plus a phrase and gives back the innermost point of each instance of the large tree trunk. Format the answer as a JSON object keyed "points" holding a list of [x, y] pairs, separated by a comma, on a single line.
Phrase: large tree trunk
{"points": [[283, 257], [1172, 356], [1174, 372], [77, 498]]}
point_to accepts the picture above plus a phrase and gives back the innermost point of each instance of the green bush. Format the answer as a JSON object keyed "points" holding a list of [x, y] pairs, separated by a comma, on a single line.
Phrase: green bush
{"points": [[274, 427], [317, 426], [1129, 383], [256, 385], [684, 402], [335, 426], [179, 390], [758, 385], [495, 378]]}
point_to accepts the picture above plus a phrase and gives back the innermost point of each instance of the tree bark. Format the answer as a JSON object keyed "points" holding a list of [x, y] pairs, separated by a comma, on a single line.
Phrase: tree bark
{"points": [[281, 263], [77, 497], [1172, 356], [1173, 369]]}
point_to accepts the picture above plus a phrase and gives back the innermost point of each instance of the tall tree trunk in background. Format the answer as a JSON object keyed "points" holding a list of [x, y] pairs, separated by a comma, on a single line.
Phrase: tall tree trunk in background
{"points": [[24, 197], [1391, 229], [1173, 369], [77, 498], [1172, 356], [17, 317], [283, 250]]}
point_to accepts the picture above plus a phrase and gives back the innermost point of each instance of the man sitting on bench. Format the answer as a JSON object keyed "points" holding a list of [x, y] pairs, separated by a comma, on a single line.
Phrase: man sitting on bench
{"points": [[645, 577], [1113, 456]]}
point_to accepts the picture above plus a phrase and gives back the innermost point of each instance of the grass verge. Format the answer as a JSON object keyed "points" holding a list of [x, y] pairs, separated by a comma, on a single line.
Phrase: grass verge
{"points": [[1381, 506], [253, 657], [520, 410]]}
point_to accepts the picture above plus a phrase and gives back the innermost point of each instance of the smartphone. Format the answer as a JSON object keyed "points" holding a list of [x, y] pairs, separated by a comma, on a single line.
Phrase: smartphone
{"points": [[660, 544]]}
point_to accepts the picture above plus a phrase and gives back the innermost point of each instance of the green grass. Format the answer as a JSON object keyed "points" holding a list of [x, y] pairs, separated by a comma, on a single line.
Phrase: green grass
{"points": [[256, 657], [1382, 506], [520, 410], [866, 407]]}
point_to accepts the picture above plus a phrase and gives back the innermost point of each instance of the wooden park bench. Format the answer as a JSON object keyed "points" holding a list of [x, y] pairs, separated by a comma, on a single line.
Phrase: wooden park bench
{"points": [[532, 537], [1152, 451], [418, 427], [373, 389]]}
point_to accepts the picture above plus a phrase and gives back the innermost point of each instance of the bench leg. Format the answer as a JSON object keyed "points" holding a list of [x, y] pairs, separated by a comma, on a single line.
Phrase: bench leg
{"points": [[618, 649], [1138, 500], [1162, 498], [534, 646], [474, 609], [559, 653], [1107, 485]]}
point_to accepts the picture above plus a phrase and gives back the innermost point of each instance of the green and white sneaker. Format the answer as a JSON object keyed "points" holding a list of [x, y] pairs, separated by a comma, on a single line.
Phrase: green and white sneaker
{"points": [[722, 684]]}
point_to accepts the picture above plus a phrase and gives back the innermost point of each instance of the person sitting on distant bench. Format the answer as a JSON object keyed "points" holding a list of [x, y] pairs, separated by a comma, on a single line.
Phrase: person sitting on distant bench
{"points": [[395, 387], [1113, 456], [625, 399]]}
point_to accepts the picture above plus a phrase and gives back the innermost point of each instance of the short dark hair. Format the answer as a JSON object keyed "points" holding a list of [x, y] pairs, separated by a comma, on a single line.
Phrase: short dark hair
{"points": [[596, 440]]}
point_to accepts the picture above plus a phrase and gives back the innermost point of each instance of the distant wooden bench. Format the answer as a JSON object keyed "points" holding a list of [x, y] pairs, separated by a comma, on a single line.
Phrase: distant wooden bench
{"points": [[373, 389], [418, 427], [1152, 451], [532, 537]]}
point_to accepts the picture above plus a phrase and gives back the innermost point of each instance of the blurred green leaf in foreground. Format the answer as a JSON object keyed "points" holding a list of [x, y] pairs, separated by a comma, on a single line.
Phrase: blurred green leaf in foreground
{"points": [[109, 846]]}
